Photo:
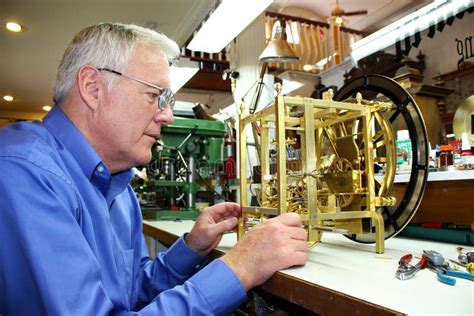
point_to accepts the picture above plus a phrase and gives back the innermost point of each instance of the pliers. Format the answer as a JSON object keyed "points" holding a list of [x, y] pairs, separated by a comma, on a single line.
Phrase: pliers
{"points": [[448, 276], [444, 274]]}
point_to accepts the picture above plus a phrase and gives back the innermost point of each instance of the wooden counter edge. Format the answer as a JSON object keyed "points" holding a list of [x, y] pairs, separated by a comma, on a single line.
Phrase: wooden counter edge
{"points": [[313, 297]]}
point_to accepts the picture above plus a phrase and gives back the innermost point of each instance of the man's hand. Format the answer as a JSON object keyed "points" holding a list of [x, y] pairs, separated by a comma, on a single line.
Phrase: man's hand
{"points": [[275, 244], [213, 222]]}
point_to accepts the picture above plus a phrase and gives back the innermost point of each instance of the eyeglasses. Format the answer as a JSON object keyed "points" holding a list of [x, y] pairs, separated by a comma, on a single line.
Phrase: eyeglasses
{"points": [[164, 100]]}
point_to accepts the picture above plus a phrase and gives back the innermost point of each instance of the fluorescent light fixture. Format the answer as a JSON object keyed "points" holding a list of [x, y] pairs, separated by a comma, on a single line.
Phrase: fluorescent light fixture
{"points": [[13, 27], [8, 98], [407, 26], [47, 108], [183, 108], [181, 72], [225, 23]]}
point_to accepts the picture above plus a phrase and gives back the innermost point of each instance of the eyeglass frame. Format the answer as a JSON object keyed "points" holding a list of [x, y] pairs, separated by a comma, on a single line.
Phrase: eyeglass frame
{"points": [[165, 99]]}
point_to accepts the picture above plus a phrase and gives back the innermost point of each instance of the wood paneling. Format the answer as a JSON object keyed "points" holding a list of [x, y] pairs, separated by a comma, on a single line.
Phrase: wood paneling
{"points": [[447, 201], [208, 80]]}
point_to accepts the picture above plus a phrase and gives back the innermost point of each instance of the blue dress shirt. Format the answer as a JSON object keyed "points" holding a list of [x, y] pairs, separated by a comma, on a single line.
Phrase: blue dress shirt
{"points": [[71, 238]]}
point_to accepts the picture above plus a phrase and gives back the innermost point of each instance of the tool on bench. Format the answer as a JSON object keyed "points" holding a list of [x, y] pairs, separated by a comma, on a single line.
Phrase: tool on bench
{"points": [[469, 266], [444, 272], [406, 270], [465, 258]]}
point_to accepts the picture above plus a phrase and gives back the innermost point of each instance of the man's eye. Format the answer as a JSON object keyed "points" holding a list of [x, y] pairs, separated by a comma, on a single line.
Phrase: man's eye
{"points": [[152, 97]]}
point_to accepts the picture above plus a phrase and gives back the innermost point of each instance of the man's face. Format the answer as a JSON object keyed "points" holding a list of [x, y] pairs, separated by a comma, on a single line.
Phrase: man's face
{"points": [[130, 120]]}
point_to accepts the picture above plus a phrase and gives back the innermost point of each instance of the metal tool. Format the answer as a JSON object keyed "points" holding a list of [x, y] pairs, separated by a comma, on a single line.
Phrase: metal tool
{"points": [[406, 270], [465, 257], [444, 273], [434, 257], [447, 276], [469, 266]]}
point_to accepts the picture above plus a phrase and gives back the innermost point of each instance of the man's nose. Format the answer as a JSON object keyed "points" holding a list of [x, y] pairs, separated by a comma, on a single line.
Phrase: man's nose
{"points": [[164, 116]]}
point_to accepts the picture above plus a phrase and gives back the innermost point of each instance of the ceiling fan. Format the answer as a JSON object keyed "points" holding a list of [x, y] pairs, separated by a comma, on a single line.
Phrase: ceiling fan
{"points": [[338, 11]]}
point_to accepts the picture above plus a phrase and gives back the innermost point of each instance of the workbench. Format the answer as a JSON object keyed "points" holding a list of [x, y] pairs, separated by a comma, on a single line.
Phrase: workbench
{"points": [[343, 277]]}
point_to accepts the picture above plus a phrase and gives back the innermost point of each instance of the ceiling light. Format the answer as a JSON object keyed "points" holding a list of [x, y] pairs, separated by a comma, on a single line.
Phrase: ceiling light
{"points": [[308, 67], [225, 23], [13, 27], [417, 21], [181, 72], [47, 108], [8, 98]]}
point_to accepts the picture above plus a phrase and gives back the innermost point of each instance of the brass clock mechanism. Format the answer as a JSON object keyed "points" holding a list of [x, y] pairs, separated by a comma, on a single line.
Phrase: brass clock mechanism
{"points": [[334, 161]]}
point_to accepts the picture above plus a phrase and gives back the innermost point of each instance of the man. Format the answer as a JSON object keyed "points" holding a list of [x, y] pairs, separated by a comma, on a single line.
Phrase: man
{"points": [[70, 228]]}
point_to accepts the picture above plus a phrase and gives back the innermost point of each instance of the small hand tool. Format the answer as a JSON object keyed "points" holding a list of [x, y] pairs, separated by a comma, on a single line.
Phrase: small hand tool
{"points": [[465, 257], [444, 274], [434, 257], [448, 276], [469, 266], [406, 270]]}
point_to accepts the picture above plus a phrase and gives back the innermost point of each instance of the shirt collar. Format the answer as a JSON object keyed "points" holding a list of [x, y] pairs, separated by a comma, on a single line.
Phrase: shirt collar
{"points": [[69, 135], [89, 161]]}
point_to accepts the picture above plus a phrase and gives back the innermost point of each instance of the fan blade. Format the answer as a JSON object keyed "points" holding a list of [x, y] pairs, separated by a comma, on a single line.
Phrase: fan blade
{"points": [[356, 12]]}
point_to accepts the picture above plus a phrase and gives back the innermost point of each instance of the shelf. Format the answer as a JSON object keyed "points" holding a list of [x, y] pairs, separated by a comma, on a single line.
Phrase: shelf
{"points": [[440, 176], [437, 176]]}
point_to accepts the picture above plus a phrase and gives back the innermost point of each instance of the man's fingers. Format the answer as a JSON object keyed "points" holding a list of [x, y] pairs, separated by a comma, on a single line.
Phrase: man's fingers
{"points": [[230, 223], [298, 233], [289, 219], [223, 226], [300, 246], [227, 209], [299, 258]]}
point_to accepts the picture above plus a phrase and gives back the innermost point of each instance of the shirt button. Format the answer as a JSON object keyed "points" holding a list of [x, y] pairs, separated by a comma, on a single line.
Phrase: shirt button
{"points": [[100, 169], [197, 266]]}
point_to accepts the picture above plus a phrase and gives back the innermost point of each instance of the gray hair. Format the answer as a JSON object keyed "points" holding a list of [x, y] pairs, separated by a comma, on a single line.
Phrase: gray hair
{"points": [[106, 45]]}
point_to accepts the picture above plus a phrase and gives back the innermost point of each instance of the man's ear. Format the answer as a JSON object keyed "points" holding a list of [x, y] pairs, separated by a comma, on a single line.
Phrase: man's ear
{"points": [[89, 85]]}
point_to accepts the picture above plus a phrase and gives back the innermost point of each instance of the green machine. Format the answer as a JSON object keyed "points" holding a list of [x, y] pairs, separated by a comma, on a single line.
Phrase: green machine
{"points": [[189, 155]]}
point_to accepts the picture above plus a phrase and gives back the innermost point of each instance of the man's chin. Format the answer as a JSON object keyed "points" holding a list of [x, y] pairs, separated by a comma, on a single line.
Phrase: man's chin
{"points": [[144, 160]]}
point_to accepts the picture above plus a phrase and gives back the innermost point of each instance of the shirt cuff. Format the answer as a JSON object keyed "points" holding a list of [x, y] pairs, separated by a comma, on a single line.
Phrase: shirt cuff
{"points": [[183, 259], [220, 286]]}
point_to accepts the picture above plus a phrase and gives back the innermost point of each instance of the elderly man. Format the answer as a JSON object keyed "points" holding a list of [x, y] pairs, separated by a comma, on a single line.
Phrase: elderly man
{"points": [[71, 225]]}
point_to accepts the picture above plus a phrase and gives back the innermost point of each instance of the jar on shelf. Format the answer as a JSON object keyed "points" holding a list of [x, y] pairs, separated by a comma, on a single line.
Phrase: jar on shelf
{"points": [[446, 157], [404, 151], [467, 155]]}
